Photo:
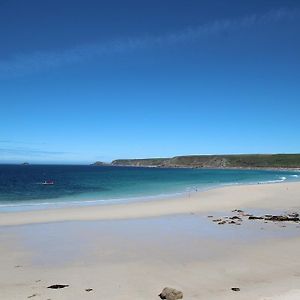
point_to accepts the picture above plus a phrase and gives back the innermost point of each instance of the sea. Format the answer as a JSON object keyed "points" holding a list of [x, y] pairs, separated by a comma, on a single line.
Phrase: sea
{"points": [[21, 186]]}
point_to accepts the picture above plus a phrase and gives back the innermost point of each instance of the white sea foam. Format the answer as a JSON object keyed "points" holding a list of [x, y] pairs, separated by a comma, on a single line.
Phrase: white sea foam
{"points": [[294, 175], [83, 202], [281, 179]]}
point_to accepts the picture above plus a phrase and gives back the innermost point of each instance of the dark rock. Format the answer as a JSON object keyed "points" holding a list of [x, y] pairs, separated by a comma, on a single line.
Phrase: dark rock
{"points": [[283, 219], [88, 290], [235, 289], [277, 218], [217, 220], [293, 215], [222, 222], [170, 294], [235, 218], [255, 218], [57, 286]]}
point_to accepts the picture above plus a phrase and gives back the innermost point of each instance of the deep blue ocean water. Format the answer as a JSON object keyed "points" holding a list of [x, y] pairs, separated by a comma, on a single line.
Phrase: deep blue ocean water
{"points": [[21, 188]]}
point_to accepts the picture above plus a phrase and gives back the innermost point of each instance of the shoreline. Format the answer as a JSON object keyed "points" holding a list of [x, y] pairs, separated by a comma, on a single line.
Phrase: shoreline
{"points": [[214, 199], [206, 168], [45, 204]]}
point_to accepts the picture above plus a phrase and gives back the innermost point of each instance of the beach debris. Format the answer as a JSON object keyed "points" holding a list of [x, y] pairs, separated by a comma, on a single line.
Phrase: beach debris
{"points": [[88, 290], [235, 289], [170, 294], [222, 222], [33, 295], [210, 216], [57, 286], [235, 218]]}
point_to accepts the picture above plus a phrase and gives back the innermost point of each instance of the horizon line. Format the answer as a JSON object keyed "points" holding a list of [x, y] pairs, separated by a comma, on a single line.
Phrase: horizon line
{"points": [[27, 162]]}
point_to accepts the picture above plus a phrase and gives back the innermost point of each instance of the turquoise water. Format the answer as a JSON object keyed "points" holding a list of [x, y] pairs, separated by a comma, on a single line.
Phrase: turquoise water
{"points": [[21, 188]]}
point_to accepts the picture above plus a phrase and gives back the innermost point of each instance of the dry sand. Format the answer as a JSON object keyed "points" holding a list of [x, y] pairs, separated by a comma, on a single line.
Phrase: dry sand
{"points": [[132, 251]]}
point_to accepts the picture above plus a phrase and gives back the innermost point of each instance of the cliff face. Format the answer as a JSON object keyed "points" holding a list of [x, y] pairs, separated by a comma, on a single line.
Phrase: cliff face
{"points": [[147, 162], [217, 161]]}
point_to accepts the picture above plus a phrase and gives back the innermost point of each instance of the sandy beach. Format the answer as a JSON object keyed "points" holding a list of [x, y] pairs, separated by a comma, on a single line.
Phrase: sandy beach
{"points": [[260, 196], [132, 251]]}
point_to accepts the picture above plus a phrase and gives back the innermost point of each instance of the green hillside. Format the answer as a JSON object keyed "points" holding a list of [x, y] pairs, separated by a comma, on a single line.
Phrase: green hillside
{"points": [[140, 162], [218, 161]]}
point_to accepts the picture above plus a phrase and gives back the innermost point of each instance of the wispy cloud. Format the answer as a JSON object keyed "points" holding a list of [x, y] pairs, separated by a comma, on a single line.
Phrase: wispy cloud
{"points": [[22, 64], [16, 148], [16, 142], [5, 141], [28, 152]]}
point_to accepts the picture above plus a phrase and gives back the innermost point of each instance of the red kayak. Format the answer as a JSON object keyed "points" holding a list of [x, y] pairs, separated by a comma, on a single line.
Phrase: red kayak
{"points": [[48, 182]]}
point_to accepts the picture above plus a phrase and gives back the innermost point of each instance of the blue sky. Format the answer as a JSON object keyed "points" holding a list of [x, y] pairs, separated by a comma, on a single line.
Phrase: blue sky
{"points": [[89, 80]]}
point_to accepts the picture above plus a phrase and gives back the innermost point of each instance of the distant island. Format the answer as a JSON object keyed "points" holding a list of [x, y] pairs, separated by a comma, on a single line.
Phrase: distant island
{"points": [[214, 161]]}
